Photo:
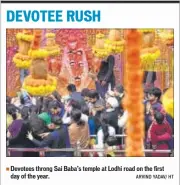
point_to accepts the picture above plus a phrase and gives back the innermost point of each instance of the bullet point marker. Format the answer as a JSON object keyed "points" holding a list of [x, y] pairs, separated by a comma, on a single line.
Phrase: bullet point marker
{"points": [[7, 169]]}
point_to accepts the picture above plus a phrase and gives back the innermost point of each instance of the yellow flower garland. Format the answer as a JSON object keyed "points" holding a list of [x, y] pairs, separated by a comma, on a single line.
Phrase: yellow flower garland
{"points": [[100, 36], [25, 37], [22, 64], [114, 46], [100, 53], [148, 30], [41, 90], [150, 57], [168, 102], [166, 36], [50, 35], [155, 66], [53, 50], [40, 53]]}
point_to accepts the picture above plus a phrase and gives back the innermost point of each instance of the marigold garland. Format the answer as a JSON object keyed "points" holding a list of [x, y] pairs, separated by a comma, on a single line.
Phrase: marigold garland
{"points": [[40, 53], [100, 53], [147, 30], [98, 49], [134, 95], [155, 66], [50, 35], [167, 38], [100, 36], [24, 37], [37, 84], [168, 101], [53, 49], [52, 53], [114, 46], [22, 64], [22, 61], [150, 57], [41, 87]]}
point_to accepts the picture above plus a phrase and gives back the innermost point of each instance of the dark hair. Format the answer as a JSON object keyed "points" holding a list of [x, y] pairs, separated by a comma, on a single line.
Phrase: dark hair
{"points": [[75, 104], [71, 88], [34, 109], [53, 104], [119, 88], [22, 101], [156, 92], [84, 92], [85, 109], [12, 110], [56, 120], [8, 100], [104, 119], [46, 102], [25, 111], [159, 117], [57, 96], [76, 116], [39, 104], [36, 125], [93, 94]]}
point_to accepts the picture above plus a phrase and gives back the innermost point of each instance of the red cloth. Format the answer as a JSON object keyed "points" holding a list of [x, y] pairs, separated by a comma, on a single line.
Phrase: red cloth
{"points": [[159, 135]]}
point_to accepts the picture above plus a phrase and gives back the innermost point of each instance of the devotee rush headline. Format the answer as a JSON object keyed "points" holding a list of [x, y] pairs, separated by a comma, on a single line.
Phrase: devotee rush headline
{"points": [[53, 16]]}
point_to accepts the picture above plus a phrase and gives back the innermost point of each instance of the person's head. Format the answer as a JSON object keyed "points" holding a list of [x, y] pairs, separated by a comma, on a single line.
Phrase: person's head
{"points": [[119, 90], [93, 96], [71, 88], [12, 110], [56, 96], [159, 117], [99, 105], [75, 104], [34, 109], [45, 117], [154, 94], [85, 109], [37, 125], [85, 94], [56, 121], [25, 112], [76, 117], [24, 97], [112, 102], [54, 107]]}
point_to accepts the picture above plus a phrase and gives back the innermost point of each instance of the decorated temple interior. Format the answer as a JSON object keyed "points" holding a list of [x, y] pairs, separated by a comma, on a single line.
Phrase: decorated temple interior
{"points": [[86, 39]]}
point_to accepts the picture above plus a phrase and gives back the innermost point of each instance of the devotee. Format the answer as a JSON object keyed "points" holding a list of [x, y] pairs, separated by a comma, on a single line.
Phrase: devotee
{"points": [[106, 76]]}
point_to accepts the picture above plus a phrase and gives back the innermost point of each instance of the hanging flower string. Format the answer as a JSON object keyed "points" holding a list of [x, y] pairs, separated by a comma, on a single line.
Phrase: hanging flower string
{"points": [[21, 59], [51, 47], [99, 49], [134, 95], [168, 101], [150, 53], [39, 83], [114, 44]]}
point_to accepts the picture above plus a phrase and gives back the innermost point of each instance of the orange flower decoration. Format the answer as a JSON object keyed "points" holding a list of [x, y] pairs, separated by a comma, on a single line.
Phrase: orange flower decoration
{"points": [[134, 95]]}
